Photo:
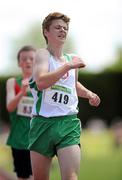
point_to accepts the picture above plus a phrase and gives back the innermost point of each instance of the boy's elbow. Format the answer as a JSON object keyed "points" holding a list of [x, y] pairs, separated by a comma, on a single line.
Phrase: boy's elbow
{"points": [[41, 86], [9, 109]]}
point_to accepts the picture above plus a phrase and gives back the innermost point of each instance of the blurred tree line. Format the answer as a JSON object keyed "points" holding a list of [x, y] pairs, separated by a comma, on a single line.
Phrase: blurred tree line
{"points": [[107, 84]]}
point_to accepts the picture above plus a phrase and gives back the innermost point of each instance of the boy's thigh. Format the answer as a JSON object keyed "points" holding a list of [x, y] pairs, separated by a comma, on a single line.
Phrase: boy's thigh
{"points": [[69, 160]]}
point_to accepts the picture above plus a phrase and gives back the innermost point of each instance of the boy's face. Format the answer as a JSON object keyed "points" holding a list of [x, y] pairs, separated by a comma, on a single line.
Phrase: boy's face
{"points": [[57, 31], [26, 60]]}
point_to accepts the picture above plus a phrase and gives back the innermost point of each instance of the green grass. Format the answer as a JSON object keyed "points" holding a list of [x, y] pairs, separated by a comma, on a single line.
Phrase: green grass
{"points": [[101, 169], [101, 160], [95, 169]]}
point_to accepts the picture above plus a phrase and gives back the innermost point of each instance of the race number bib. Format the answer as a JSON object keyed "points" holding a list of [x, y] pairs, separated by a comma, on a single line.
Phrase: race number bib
{"points": [[25, 105], [59, 95]]}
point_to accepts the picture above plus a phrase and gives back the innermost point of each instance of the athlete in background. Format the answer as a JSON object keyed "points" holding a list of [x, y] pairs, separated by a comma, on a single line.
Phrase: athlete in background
{"points": [[19, 105]]}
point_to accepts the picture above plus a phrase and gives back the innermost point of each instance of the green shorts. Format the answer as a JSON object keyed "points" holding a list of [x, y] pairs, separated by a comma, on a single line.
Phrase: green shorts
{"points": [[47, 135]]}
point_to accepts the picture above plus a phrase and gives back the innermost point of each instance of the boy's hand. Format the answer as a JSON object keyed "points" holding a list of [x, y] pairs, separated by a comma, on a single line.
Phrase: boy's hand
{"points": [[77, 63], [24, 87], [94, 100]]}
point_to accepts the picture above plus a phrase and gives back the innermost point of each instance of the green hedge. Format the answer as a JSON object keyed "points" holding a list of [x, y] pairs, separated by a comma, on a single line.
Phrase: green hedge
{"points": [[3, 112], [106, 85]]}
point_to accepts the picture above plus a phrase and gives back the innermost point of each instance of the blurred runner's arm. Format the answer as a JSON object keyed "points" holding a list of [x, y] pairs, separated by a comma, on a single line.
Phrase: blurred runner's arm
{"points": [[12, 99]]}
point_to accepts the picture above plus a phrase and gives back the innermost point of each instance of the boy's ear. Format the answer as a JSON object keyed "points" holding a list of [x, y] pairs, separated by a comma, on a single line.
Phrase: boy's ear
{"points": [[45, 32]]}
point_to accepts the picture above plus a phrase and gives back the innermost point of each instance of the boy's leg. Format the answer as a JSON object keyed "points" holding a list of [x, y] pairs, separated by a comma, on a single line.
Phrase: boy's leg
{"points": [[69, 161], [40, 166]]}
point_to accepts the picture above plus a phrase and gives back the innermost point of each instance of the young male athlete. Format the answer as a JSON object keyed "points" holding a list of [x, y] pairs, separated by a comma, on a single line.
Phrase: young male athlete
{"points": [[19, 106], [55, 128]]}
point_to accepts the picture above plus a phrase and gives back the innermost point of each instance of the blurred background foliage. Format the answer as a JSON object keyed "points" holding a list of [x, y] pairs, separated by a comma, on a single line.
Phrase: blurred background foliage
{"points": [[106, 84]]}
